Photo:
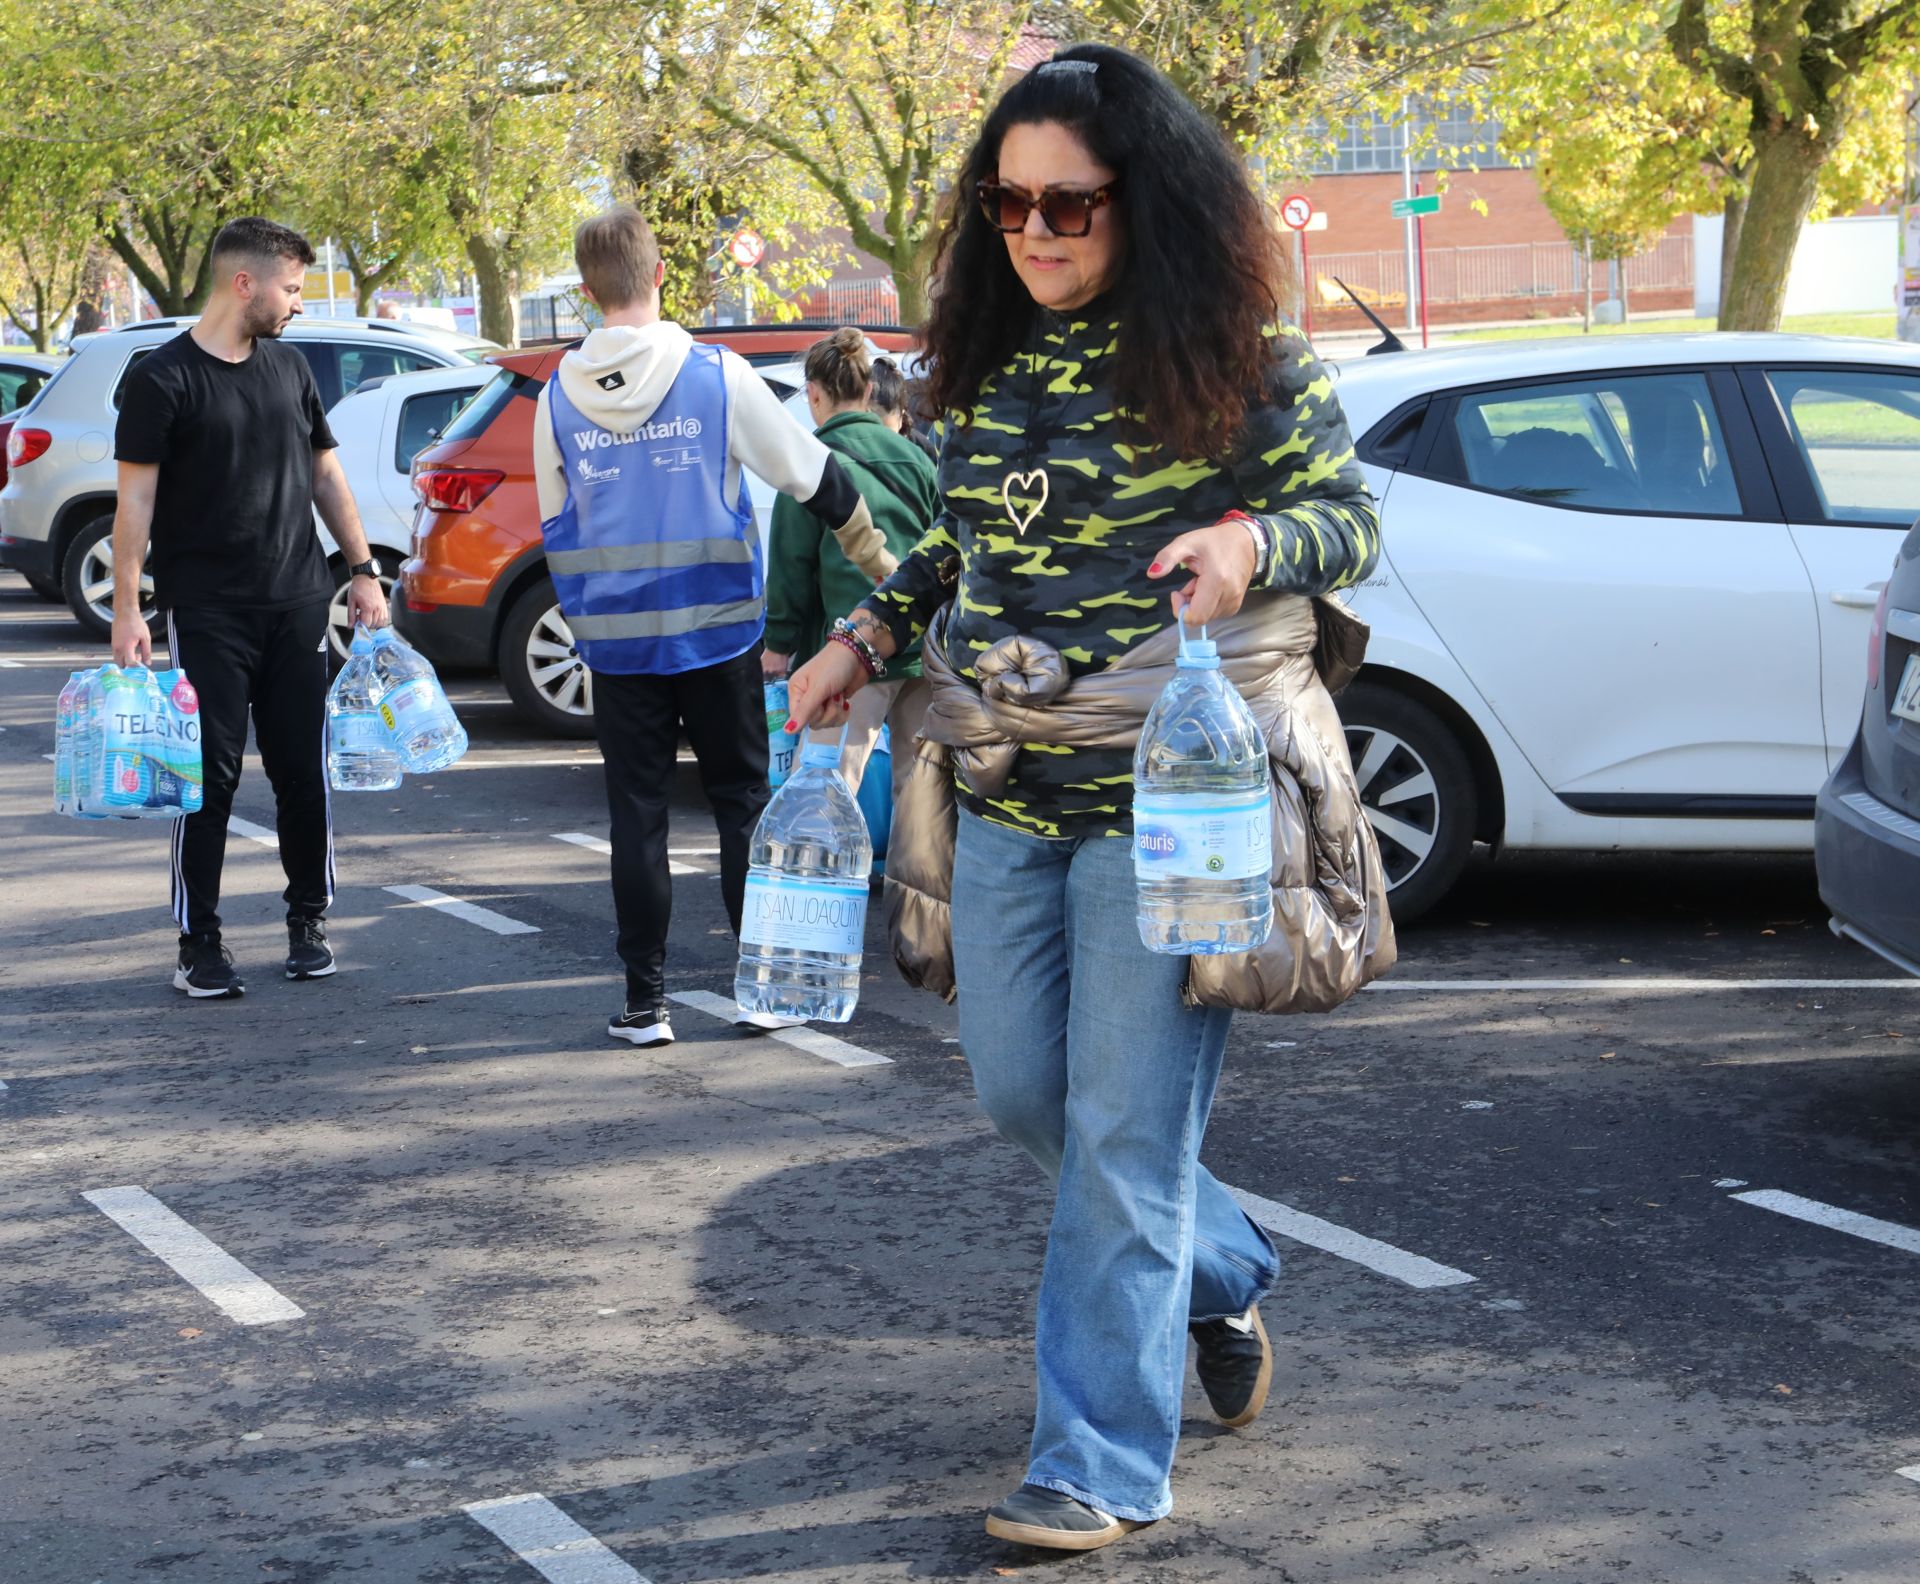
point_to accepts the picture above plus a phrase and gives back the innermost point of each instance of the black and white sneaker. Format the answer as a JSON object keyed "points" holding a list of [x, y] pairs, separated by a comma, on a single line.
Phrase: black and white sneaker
{"points": [[646, 1026], [764, 1022], [205, 969], [308, 954], [1235, 1364]]}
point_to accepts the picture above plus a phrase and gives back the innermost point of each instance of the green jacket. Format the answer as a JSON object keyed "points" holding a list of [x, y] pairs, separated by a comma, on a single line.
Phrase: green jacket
{"points": [[809, 582]]}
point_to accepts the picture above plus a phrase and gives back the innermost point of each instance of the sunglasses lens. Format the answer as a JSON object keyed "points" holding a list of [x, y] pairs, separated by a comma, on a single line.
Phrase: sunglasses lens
{"points": [[1008, 209]]}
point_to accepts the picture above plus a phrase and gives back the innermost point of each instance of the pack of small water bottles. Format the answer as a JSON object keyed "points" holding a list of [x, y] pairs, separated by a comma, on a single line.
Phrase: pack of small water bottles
{"points": [[127, 745], [388, 716]]}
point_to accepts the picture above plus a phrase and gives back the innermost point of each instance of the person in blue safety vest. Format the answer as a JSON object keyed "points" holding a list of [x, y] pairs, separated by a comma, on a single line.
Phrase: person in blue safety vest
{"points": [[639, 445]]}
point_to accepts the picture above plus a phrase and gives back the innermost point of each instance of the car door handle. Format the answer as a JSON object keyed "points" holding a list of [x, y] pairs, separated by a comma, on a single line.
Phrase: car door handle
{"points": [[1858, 599]]}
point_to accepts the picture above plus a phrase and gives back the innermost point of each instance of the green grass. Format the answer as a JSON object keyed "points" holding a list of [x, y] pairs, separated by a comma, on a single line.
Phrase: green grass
{"points": [[1855, 324]]}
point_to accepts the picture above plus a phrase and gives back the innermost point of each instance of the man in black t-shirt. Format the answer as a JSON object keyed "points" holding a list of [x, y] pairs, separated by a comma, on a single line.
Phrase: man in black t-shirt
{"points": [[224, 452]]}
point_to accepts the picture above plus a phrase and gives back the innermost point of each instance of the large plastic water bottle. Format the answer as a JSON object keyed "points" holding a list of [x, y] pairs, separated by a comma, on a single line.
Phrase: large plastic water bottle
{"points": [[780, 741], [802, 931], [360, 752], [426, 733], [1202, 812]]}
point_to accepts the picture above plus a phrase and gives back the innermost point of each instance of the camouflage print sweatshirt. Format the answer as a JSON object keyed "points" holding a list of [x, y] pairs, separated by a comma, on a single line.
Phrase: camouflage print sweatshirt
{"points": [[1077, 578]]}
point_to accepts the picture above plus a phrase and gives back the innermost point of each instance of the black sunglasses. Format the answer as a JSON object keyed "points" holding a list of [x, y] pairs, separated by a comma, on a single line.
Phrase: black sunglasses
{"points": [[1067, 211]]}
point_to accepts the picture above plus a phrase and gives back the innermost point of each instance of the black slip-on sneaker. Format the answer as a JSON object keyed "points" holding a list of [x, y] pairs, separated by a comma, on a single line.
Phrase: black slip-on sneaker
{"points": [[205, 969], [1036, 1516], [1235, 1363], [308, 954], [647, 1026]]}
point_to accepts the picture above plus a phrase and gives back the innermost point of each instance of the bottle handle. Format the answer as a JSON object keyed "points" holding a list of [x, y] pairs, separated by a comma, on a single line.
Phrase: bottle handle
{"points": [[1185, 652]]}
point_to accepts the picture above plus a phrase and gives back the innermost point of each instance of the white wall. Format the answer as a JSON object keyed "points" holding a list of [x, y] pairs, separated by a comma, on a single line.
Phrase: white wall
{"points": [[1840, 266]]}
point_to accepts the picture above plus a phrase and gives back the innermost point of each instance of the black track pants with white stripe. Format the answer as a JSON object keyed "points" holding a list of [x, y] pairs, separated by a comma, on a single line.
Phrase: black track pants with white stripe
{"points": [[273, 663]]}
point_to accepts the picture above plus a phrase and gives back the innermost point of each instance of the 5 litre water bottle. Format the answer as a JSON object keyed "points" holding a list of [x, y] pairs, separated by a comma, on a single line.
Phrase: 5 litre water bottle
{"points": [[360, 753], [426, 733], [806, 912], [1202, 811]]}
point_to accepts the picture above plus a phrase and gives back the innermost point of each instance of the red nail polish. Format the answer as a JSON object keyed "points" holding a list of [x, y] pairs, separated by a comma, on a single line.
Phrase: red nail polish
{"points": [[1154, 570]]}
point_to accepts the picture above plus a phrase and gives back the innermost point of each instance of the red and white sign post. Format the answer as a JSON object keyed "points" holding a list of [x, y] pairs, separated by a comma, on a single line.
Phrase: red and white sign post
{"points": [[1298, 215], [746, 249]]}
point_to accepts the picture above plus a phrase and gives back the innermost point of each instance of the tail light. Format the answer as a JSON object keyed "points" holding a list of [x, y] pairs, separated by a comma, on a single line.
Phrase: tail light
{"points": [[455, 489], [23, 445], [1877, 636]]}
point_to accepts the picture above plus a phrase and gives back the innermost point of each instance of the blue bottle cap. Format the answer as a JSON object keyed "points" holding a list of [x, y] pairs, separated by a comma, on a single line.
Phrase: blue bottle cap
{"points": [[1200, 654], [820, 756], [362, 641]]}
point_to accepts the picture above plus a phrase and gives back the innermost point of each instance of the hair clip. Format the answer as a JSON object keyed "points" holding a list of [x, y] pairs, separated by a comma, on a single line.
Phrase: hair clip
{"points": [[1087, 66]]}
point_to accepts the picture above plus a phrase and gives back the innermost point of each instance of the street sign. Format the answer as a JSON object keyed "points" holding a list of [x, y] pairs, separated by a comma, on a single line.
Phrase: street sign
{"points": [[746, 249], [1407, 208], [1296, 211], [1319, 221]]}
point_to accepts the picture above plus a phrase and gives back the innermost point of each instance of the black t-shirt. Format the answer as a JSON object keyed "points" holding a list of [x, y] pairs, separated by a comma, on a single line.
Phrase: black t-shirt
{"points": [[233, 515]]}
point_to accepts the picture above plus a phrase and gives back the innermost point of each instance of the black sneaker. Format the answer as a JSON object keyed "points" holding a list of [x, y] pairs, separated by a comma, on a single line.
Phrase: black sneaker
{"points": [[1235, 1365], [646, 1026], [308, 954], [205, 970], [1036, 1516]]}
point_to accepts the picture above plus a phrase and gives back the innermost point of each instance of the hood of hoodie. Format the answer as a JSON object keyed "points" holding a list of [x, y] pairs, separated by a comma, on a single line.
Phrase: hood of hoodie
{"points": [[620, 373]]}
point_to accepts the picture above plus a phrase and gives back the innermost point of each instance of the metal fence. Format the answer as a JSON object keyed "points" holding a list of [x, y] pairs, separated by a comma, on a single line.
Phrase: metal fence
{"points": [[1516, 272], [868, 301]]}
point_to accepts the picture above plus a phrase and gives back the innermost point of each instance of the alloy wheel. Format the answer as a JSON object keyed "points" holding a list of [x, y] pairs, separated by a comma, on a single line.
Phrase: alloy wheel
{"points": [[96, 583], [555, 668], [1402, 800], [339, 629]]}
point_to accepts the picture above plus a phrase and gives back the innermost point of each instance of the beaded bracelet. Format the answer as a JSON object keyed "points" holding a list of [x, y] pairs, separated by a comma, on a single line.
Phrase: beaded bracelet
{"points": [[848, 637]]}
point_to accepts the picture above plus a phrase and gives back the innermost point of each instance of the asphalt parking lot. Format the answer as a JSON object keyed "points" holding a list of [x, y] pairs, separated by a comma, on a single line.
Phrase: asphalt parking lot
{"points": [[1600, 1222]]}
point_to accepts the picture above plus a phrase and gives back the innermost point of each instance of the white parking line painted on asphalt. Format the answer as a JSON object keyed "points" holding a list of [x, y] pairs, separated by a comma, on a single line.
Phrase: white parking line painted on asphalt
{"points": [[50, 758], [1912, 1472], [486, 918], [1413, 1269], [11, 665], [1646, 986], [550, 1542], [1874, 1230], [253, 832], [194, 1256], [472, 761], [812, 1041], [600, 844]]}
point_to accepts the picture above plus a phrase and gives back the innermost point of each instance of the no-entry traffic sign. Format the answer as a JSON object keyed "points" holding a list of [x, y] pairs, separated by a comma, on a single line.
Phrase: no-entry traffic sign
{"points": [[746, 249], [1296, 211]]}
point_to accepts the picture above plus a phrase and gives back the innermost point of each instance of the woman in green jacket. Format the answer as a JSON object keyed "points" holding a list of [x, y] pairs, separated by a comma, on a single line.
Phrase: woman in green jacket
{"points": [[809, 580]]}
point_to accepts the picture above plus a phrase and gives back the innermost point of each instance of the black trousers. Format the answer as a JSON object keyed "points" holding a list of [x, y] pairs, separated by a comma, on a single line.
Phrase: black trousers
{"points": [[638, 720], [273, 663]]}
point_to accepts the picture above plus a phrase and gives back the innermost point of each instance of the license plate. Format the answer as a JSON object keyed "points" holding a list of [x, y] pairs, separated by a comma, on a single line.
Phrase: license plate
{"points": [[1906, 697]]}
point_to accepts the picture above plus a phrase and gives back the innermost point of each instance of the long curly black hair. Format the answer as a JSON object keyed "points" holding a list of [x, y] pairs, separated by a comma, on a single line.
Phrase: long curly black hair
{"points": [[1201, 269]]}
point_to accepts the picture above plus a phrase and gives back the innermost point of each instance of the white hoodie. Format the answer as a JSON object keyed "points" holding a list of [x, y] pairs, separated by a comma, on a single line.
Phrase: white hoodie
{"points": [[763, 437]]}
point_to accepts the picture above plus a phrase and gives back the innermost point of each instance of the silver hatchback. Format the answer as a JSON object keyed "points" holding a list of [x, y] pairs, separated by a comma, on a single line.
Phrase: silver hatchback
{"points": [[56, 512]]}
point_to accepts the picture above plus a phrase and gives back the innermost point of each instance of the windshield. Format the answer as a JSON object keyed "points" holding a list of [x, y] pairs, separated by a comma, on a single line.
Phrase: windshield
{"points": [[493, 397]]}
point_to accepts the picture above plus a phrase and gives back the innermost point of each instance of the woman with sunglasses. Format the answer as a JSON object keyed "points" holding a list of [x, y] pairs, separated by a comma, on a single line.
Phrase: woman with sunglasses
{"points": [[1126, 407]]}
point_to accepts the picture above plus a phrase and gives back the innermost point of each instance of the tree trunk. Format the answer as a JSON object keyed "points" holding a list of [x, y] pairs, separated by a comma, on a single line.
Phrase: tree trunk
{"points": [[364, 286], [1734, 218], [90, 312], [1786, 177], [42, 332], [499, 291]]}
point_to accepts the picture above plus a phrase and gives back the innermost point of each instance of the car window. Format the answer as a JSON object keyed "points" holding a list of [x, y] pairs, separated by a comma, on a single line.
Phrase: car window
{"points": [[493, 398], [1631, 443], [1859, 432], [422, 420], [358, 364], [133, 362], [19, 385]]}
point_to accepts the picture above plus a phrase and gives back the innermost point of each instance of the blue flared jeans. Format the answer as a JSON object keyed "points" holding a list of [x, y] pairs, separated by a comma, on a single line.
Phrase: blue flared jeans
{"points": [[1084, 1056]]}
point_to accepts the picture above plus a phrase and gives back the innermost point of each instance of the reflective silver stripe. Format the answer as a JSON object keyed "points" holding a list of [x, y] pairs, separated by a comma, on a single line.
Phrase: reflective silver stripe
{"points": [[650, 557], [665, 624]]}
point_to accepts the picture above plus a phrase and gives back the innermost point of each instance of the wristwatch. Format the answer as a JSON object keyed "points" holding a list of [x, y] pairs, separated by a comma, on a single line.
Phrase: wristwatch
{"points": [[367, 568]]}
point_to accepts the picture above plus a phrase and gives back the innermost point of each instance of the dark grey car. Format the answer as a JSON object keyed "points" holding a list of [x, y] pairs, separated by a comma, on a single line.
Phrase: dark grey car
{"points": [[1866, 831]]}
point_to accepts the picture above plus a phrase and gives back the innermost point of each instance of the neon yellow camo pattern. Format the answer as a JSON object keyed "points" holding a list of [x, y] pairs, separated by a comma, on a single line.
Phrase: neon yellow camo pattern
{"points": [[1078, 577]]}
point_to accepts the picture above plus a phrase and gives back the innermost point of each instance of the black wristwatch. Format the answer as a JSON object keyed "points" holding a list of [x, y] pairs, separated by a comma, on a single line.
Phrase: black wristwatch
{"points": [[367, 568]]}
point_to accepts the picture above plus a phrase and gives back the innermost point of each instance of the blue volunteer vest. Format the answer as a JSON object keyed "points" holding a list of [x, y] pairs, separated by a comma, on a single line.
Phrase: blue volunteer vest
{"points": [[656, 572]]}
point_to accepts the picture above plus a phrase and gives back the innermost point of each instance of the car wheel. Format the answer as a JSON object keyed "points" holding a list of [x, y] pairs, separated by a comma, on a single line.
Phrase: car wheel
{"points": [[1418, 791], [339, 629], [87, 578], [546, 678], [46, 588]]}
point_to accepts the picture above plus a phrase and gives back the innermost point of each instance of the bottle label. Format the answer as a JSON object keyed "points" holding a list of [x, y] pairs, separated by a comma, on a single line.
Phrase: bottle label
{"points": [[1202, 838], [358, 733], [809, 915], [413, 706]]}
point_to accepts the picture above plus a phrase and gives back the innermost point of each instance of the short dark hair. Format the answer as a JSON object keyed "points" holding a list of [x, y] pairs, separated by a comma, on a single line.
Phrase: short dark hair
{"points": [[889, 388], [617, 256], [252, 241], [1202, 268]]}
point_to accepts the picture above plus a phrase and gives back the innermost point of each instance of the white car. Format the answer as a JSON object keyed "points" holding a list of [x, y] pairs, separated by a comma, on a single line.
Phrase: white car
{"points": [[381, 426], [1626, 588]]}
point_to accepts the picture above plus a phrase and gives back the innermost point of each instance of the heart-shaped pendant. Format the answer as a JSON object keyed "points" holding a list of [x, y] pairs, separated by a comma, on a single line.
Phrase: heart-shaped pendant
{"points": [[1024, 482]]}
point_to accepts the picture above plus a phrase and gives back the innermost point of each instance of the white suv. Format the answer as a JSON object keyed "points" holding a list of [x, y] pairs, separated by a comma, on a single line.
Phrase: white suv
{"points": [[56, 512]]}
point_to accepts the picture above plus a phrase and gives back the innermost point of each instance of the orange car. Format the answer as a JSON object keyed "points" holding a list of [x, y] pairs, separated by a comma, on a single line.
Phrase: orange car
{"points": [[474, 590]]}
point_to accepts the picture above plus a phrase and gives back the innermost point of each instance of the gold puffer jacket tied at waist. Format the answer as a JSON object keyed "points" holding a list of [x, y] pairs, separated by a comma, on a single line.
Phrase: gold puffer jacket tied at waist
{"points": [[1286, 655]]}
